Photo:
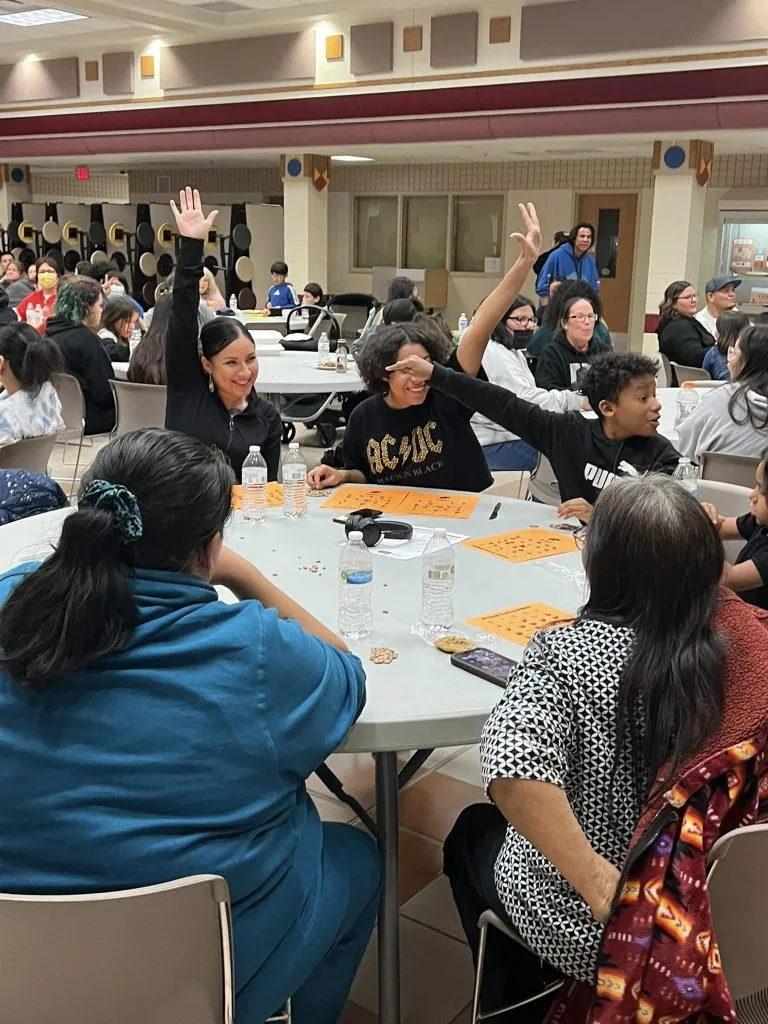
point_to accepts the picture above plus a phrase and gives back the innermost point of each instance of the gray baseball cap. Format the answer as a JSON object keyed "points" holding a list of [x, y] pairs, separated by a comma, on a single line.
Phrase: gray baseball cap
{"points": [[716, 284]]}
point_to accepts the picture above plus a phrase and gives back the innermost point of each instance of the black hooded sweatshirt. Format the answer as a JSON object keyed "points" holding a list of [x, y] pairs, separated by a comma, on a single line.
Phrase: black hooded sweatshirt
{"points": [[584, 460], [559, 364], [7, 315]]}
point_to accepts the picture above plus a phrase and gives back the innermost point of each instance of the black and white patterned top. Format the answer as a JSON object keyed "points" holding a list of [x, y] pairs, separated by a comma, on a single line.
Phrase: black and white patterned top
{"points": [[556, 723]]}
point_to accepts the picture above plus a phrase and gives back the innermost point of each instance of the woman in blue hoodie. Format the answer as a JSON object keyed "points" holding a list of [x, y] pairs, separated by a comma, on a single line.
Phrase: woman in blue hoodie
{"points": [[149, 731], [571, 261]]}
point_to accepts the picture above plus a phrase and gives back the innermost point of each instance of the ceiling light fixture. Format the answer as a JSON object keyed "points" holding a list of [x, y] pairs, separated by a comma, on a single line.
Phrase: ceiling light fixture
{"points": [[43, 16], [352, 159]]}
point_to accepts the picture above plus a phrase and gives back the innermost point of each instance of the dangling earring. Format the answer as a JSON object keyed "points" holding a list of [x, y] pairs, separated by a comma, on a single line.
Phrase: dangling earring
{"points": [[211, 388]]}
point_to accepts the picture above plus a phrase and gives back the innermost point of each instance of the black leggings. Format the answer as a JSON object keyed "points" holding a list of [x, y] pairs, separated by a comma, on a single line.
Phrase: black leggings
{"points": [[510, 972]]}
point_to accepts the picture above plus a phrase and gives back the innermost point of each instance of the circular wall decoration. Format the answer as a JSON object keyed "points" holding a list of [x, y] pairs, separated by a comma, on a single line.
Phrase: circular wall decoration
{"points": [[674, 157], [293, 167], [17, 175]]}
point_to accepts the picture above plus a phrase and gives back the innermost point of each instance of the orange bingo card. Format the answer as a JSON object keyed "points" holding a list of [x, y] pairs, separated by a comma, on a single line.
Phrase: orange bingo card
{"points": [[437, 505], [524, 545], [274, 495], [520, 623], [349, 499]]}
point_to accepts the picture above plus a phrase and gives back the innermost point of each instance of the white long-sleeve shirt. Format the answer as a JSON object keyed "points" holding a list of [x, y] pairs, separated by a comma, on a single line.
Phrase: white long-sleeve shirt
{"points": [[24, 414], [509, 369]]}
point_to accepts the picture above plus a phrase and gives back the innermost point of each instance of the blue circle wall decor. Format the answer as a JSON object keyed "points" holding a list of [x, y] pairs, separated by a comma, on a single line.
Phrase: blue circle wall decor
{"points": [[293, 167], [674, 157]]}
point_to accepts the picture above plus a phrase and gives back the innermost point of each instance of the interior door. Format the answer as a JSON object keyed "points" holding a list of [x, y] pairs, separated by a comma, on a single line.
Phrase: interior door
{"points": [[614, 218]]}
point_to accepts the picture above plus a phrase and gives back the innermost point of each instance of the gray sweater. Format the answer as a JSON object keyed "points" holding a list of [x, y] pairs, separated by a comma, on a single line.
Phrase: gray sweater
{"points": [[710, 427]]}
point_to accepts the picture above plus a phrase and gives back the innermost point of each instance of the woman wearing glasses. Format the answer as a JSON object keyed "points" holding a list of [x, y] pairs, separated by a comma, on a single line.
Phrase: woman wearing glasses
{"points": [[682, 338], [505, 364], [571, 348]]}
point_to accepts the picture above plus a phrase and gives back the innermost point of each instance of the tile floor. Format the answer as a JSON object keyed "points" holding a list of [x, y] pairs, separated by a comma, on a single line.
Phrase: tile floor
{"points": [[436, 967]]}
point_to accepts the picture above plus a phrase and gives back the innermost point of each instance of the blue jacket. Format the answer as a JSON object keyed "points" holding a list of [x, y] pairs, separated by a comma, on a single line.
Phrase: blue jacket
{"points": [[716, 364], [563, 263], [282, 296], [185, 752]]}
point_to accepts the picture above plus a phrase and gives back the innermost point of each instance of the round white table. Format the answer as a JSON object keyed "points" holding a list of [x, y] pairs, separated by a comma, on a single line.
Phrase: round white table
{"points": [[418, 702], [279, 323]]}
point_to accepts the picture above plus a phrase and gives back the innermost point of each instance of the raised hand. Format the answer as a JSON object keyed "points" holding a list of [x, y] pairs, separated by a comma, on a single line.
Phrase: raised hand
{"points": [[530, 242], [189, 215], [414, 366]]}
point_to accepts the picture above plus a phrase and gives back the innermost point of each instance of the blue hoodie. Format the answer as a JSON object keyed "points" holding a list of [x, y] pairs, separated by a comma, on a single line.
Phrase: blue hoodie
{"points": [[563, 262], [182, 754]]}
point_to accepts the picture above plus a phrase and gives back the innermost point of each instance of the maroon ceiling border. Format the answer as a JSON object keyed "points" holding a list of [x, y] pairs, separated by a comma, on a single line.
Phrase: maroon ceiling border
{"points": [[697, 86]]}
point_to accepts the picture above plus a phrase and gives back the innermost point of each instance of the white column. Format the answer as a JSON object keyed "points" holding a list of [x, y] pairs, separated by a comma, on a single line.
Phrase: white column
{"points": [[305, 226]]}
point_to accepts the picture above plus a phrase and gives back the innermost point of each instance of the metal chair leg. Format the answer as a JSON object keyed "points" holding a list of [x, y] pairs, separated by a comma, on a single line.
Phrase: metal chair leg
{"points": [[482, 939]]}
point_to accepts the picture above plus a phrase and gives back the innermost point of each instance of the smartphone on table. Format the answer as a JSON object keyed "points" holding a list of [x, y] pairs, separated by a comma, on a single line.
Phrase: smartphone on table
{"points": [[488, 664]]}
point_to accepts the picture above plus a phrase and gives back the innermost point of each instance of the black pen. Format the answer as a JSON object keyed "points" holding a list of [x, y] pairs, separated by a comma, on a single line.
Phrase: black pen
{"points": [[495, 512]]}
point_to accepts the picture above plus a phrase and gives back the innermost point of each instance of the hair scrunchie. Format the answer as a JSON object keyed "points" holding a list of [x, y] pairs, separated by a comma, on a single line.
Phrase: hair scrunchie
{"points": [[114, 498]]}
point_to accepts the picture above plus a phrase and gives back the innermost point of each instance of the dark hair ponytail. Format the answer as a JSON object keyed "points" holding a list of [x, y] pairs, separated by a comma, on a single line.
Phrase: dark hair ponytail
{"points": [[152, 499], [32, 359]]}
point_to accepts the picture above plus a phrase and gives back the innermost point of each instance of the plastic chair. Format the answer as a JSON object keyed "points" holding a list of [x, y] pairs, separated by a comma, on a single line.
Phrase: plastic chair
{"points": [[73, 413], [738, 898], [666, 369], [299, 340], [159, 955], [729, 500], [30, 453], [138, 406], [728, 469], [543, 485], [490, 920], [684, 373]]}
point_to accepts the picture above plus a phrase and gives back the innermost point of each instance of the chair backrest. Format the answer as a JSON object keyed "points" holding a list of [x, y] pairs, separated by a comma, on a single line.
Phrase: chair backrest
{"points": [[138, 406], [730, 500], [729, 469], [72, 405], [30, 453], [356, 307], [684, 373], [159, 955], [738, 897], [669, 377], [543, 483]]}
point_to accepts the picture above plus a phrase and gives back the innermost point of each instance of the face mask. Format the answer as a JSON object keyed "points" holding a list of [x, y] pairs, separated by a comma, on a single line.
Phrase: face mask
{"points": [[47, 280], [521, 339], [116, 289]]}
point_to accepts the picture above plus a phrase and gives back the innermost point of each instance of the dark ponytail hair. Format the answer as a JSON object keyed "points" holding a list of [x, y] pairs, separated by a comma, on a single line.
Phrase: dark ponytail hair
{"points": [[654, 562], [220, 333], [32, 359], [78, 606]]}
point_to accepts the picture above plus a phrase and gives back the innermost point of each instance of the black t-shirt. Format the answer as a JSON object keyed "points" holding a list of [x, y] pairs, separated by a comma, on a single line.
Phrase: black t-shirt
{"points": [[427, 445], [755, 550]]}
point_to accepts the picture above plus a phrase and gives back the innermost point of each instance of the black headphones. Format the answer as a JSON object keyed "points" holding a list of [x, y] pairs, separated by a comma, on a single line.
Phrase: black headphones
{"points": [[374, 529]]}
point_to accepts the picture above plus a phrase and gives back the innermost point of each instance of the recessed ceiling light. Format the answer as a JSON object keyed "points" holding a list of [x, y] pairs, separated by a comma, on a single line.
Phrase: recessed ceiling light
{"points": [[43, 16], [352, 159]]}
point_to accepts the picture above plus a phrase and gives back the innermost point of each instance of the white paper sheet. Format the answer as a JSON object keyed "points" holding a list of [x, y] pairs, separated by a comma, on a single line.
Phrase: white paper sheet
{"points": [[413, 548]]}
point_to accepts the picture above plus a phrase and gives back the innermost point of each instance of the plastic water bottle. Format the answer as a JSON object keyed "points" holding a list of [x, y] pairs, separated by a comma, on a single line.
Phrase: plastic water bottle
{"points": [[355, 588], [463, 323], [323, 348], [233, 302], [341, 357], [687, 401], [254, 486], [438, 571], [294, 483], [134, 339], [688, 475]]}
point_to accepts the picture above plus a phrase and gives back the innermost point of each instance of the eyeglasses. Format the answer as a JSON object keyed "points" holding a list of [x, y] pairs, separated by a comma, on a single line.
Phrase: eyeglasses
{"points": [[686, 298], [585, 318], [522, 321]]}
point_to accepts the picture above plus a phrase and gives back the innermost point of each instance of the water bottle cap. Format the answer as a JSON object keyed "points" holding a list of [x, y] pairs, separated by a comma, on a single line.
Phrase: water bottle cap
{"points": [[254, 448], [355, 535], [440, 532], [293, 446], [683, 461]]}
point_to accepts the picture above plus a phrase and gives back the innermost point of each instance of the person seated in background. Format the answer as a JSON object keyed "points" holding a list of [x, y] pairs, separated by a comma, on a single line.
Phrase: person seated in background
{"points": [[116, 652], [572, 261], [748, 576], [727, 329], [73, 328], [210, 388], [6, 258], [586, 454], [505, 365], [561, 293], [29, 404], [16, 284], [720, 295], [682, 338], [407, 432], [312, 296], [733, 419], [24, 494], [598, 722], [281, 294], [571, 349], [147, 364], [209, 291], [400, 288], [118, 319], [32, 272], [205, 315], [39, 305]]}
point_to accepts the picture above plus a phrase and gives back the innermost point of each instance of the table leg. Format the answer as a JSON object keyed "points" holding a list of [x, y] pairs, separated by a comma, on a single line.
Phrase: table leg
{"points": [[389, 908]]}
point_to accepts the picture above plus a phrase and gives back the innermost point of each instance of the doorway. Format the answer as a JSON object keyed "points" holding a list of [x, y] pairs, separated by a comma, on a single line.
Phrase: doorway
{"points": [[615, 220]]}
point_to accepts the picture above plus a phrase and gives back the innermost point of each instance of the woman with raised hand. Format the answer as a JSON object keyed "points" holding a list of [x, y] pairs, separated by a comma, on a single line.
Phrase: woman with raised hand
{"points": [[149, 731], [211, 396]]}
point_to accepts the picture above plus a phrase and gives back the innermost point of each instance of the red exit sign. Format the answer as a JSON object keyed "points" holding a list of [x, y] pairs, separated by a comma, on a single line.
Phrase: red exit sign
{"points": [[82, 173]]}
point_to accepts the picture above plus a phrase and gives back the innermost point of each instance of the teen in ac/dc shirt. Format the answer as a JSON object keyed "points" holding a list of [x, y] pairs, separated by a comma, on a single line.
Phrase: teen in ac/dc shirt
{"points": [[406, 433]]}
